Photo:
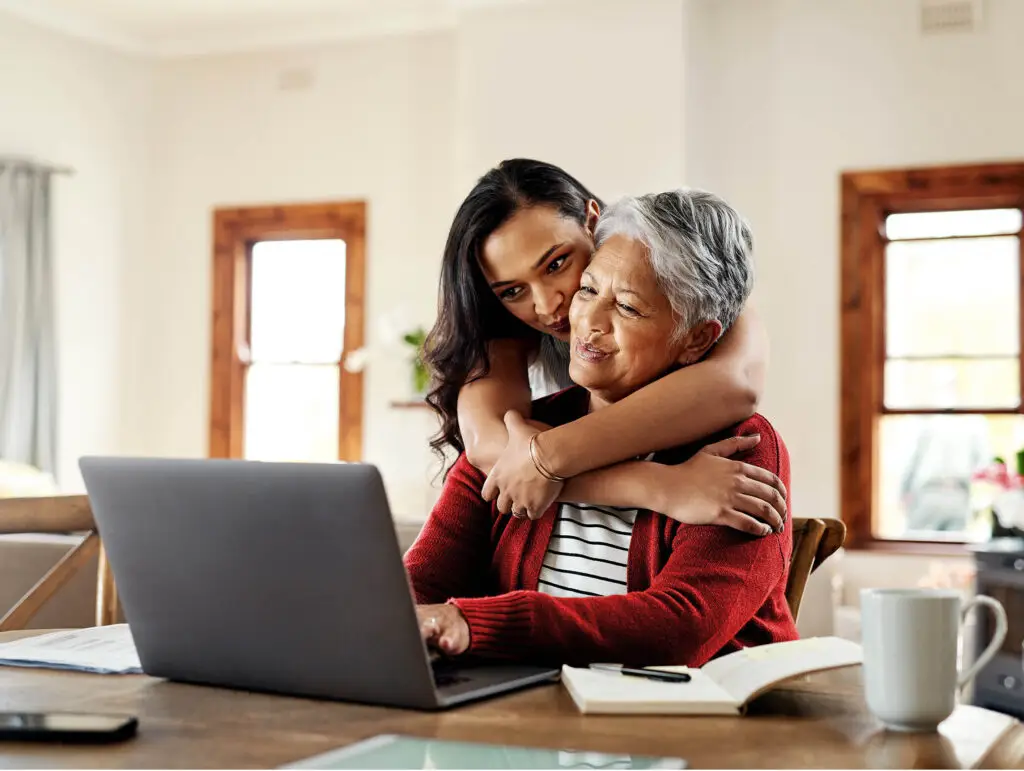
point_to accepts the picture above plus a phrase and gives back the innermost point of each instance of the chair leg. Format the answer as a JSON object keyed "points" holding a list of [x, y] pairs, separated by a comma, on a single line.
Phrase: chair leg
{"points": [[48, 585], [108, 607]]}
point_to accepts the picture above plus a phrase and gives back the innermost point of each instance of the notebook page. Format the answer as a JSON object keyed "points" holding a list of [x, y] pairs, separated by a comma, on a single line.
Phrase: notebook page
{"points": [[595, 691], [750, 671]]}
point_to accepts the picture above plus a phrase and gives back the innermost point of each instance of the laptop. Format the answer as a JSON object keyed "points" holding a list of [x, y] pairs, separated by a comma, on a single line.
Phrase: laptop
{"points": [[277, 577]]}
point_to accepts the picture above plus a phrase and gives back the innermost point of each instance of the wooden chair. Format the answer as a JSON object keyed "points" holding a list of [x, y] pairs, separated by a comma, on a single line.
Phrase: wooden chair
{"points": [[61, 514], [814, 541]]}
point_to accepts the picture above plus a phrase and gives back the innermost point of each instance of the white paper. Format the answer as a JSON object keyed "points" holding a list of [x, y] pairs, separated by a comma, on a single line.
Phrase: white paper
{"points": [[106, 650], [974, 731]]}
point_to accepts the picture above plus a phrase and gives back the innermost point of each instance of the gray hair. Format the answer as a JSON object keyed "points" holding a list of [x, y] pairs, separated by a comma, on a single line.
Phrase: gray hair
{"points": [[699, 247]]}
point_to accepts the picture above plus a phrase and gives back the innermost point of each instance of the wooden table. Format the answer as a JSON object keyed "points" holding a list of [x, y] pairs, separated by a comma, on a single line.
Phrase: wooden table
{"points": [[819, 721]]}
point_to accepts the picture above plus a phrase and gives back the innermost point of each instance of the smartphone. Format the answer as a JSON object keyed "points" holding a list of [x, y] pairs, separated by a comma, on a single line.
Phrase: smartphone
{"points": [[66, 727]]}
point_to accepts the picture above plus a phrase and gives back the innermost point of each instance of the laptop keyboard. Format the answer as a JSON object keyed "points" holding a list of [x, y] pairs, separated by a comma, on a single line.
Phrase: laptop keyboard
{"points": [[447, 674]]}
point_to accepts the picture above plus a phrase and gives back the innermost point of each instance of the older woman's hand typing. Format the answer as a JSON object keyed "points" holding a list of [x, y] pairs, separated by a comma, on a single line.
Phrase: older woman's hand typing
{"points": [[443, 628]]}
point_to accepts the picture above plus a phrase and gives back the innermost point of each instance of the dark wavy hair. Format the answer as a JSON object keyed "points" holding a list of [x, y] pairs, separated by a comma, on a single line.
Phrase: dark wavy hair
{"points": [[469, 315]]}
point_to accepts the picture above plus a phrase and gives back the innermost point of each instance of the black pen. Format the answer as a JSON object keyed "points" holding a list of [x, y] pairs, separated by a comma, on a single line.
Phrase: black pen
{"points": [[649, 674]]}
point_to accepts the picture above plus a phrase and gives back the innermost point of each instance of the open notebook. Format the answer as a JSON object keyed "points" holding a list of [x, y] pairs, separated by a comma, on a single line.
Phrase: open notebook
{"points": [[723, 686]]}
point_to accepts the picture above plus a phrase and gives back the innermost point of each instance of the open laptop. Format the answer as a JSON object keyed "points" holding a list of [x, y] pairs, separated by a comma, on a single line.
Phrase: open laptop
{"points": [[280, 577]]}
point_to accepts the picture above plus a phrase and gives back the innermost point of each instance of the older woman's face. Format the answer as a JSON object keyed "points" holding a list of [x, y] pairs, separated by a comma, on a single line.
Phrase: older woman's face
{"points": [[622, 323]]}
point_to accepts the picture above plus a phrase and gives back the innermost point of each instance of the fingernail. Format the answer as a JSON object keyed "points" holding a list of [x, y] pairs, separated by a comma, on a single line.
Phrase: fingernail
{"points": [[765, 529]]}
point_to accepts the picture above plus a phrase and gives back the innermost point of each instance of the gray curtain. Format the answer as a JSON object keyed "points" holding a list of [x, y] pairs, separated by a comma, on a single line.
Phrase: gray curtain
{"points": [[28, 366]]}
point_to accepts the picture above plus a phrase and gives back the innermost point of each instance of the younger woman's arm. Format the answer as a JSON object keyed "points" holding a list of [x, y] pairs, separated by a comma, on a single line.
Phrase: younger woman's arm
{"points": [[484, 402], [685, 406], [680, 408], [707, 489]]}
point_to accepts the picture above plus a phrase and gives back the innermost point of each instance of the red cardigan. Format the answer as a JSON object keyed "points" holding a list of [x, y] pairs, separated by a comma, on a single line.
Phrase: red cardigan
{"points": [[693, 591]]}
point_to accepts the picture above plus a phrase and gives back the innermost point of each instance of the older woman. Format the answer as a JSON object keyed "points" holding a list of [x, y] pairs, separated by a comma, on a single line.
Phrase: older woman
{"points": [[602, 583]]}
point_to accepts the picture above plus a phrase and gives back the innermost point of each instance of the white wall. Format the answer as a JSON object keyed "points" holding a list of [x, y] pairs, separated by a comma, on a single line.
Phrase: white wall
{"points": [[383, 121], [784, 95], [71, 103], [375, 124], [595, 86]]}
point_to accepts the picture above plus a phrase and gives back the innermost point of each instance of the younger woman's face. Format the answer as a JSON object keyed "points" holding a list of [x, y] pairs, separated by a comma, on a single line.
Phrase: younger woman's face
{"points": [[533, 264]]}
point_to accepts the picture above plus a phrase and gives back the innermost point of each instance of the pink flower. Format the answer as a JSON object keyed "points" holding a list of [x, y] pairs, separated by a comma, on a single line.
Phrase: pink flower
{"points": [[997, 474]]}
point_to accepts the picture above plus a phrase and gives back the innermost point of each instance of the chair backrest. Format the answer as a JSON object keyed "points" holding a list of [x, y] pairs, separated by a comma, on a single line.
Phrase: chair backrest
{"points": [[58, 514], [814, 541]]}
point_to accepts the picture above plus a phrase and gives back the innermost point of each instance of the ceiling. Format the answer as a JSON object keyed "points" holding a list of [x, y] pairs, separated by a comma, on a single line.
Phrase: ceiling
{"points": [[194, 27]]}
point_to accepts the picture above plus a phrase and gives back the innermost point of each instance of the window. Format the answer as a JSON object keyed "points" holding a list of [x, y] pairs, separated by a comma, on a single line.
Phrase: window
{"points": [[931, 347], [288, 287], [296, 329]]}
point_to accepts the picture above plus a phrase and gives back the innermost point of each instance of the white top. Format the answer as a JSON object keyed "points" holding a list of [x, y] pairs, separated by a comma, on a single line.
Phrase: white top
{"points": [[588, 551], [549, 368]]}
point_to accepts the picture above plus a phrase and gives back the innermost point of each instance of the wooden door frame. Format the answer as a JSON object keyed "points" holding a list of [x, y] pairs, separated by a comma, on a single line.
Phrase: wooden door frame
{"points": [[235, 230]]}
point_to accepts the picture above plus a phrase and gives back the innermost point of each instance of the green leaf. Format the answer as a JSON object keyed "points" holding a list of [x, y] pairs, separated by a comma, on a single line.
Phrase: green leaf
{"points": [[416, 338]]}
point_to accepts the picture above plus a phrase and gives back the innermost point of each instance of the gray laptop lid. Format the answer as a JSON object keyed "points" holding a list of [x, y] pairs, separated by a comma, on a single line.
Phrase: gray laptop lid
{"points": [[267, 576]]}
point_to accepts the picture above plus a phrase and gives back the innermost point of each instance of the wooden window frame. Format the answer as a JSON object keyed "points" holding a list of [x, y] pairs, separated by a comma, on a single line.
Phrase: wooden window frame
{"points": [[235, 231], [867, 198]]}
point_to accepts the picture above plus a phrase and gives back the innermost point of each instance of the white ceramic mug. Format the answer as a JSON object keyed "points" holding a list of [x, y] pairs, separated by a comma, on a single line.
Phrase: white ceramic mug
{"points": [[910, 639]]}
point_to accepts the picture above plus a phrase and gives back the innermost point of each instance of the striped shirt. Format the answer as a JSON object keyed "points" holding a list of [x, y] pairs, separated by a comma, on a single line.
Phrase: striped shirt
{"points": [[588, 551]]}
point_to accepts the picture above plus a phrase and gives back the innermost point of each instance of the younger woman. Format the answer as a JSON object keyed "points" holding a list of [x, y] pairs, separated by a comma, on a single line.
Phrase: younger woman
{"points": [[511, 267]]}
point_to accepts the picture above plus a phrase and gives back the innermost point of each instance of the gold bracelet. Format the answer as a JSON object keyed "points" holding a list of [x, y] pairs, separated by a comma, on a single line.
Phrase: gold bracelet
{"points": [[540, 466]]}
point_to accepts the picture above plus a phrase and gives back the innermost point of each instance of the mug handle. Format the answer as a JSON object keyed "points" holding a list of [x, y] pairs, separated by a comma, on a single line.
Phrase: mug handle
{"points": [[997, 639]]}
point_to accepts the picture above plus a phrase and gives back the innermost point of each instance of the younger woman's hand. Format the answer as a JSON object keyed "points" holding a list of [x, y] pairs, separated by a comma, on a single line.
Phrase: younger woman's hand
{"points": [[711, 489], [519, 488]]}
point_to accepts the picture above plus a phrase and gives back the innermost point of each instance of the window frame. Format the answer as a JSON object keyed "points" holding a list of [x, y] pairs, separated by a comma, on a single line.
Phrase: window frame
{"points": [[235, 231], [867, 198]]}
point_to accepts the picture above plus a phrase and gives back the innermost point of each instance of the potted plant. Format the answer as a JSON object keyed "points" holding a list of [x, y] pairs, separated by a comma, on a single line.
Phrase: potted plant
{"points": [[397, 337], [420, 374]]}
